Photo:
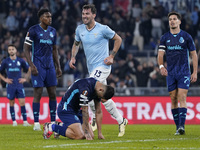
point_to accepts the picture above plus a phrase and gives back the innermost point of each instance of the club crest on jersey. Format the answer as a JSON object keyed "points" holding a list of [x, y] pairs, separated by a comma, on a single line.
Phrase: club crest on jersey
{"points": [[181, 40], [85, 93], [9, 64], [18, 63], [95, 35], [51, 34]]}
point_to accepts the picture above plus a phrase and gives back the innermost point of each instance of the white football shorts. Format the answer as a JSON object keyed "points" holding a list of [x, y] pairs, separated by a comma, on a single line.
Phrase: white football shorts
{"points": [[101, 74]]}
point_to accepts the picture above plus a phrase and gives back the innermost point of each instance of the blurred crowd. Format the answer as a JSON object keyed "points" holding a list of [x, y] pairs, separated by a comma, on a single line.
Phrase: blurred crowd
{"points": [[140, 23]]}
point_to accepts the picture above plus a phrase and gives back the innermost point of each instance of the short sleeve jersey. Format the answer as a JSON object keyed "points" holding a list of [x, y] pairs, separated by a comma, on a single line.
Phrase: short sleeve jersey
{"points": [[177, 48], [95, 44], [42, 42], [80, 94], [13, 69]]}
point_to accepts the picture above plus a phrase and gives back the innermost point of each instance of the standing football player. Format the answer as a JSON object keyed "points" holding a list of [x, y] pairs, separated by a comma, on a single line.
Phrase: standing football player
{"points": [[177, 45], [45, 66], [95, 40], [13, 66]]}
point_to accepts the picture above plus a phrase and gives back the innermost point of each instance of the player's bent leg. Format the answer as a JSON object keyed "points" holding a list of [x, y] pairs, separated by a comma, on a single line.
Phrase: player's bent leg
{"points": [[74, 131], [112, 109]]}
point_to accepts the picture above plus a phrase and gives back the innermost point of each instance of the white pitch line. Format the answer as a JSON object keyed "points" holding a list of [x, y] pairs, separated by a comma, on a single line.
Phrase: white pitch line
{"points": [[127, 141]]}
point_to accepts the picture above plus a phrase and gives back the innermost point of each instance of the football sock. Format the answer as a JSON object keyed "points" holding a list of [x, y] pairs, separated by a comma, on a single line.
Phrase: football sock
{"points": [[36, 111], [12, 113], [182, 116], [92, 107], [59, 129], [112, 109], [52, 107], [23, 112], [175, 113]]}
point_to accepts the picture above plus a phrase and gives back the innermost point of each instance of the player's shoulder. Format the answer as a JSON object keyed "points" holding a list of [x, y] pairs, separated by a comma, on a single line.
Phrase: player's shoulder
{"points": [[34, 27], [51, 28]]}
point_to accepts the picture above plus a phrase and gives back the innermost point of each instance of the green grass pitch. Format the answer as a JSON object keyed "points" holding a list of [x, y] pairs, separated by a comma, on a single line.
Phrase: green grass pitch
{"points": [[137, 137]]}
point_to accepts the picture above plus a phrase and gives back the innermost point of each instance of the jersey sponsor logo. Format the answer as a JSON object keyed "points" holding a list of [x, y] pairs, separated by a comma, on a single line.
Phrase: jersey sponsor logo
{"points": [[176, 47], [13, 69], [181, 40], [46, 41], [51, 34]]}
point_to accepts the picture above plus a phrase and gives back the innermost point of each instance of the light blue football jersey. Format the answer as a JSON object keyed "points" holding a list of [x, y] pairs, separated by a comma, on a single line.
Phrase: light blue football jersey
{"points": [[95, 44]]}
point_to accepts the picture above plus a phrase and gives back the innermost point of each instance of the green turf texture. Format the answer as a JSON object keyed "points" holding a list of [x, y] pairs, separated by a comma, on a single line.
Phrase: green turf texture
{"points": [[137, 137]]}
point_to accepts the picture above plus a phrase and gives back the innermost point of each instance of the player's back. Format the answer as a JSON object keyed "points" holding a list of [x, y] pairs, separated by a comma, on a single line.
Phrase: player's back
{"points": [[42, 45], [79, 94], [177, 48]]}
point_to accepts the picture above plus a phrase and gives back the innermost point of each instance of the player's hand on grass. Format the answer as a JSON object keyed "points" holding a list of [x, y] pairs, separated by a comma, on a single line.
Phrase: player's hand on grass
{"points": [[22, 80], [163, 71], [193, 78], [108, 60], [34, 70], [58, 72], [88, 136], [100, 136], [9, 81], [72, 63]]}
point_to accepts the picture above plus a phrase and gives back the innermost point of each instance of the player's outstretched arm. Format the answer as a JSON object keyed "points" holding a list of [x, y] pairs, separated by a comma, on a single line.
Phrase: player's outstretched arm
{"points": [[99, 116], [56, 61], [193, 54], [85, 125]]}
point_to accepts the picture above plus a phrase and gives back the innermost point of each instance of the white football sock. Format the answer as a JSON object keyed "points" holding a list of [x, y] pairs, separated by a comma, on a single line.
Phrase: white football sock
{"points": [[112, 109]]}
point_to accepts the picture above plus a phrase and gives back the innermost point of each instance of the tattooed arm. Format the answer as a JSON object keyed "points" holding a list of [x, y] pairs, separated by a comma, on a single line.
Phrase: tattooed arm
{"points": [[85, 116], [75, 49]]}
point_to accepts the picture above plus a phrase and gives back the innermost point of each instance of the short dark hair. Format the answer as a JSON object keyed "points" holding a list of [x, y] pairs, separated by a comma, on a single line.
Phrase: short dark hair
{"points": [[175, 13], [90, 6], [109, 93], [12, 45], [42, 11]]}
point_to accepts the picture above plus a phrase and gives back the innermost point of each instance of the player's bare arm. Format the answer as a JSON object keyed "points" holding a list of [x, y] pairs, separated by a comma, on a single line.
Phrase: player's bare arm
{"points": [[85, 116], [75, 49], [56, 61], [27, 54], [163, 70], [99, 116], [193, 54], [7, 80], [118, 40]]}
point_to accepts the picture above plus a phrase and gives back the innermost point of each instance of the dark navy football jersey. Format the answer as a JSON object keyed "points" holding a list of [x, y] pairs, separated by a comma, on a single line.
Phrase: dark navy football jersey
{"points": [[42, 42], [79, 94], [177, 48], [13, 69]]}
